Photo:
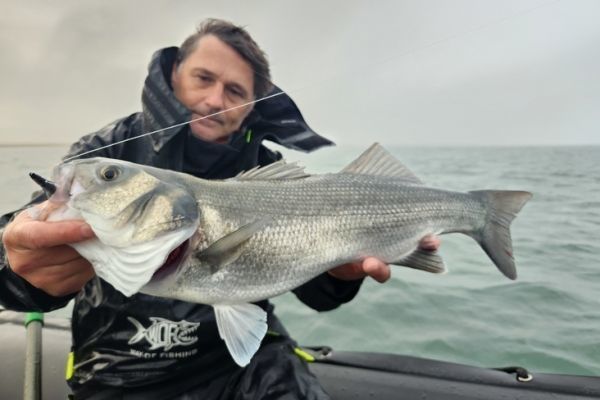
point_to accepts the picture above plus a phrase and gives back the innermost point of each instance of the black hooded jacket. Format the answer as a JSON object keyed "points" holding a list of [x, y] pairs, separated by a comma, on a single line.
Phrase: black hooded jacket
{"points": [[129, 342]]}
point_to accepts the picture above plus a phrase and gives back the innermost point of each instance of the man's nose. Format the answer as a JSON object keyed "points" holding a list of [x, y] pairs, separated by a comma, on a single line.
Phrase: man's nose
{"points": [[215, 97]]}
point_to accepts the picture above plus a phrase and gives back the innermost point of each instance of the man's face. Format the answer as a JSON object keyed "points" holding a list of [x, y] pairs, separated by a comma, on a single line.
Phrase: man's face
{"points": [[213, 78]]}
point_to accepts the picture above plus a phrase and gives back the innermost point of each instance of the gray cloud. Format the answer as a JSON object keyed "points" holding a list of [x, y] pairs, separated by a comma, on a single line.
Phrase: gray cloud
{"points": [[408, 73]]}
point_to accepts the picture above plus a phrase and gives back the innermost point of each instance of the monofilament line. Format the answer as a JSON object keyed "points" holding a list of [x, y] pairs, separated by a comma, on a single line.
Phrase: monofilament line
{"points": [[174, 126]]}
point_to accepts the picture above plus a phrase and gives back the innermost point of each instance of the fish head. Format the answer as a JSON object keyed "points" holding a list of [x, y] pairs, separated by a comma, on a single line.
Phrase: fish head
{"points": [[140, 215], [113, 195]]}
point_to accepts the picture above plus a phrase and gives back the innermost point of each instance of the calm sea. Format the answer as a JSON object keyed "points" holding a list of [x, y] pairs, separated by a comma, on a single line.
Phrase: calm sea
{"points": [[548, 320]]}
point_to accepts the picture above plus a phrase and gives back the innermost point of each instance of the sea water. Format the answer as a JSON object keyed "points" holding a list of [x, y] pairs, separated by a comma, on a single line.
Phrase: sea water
{"points": [[548, 320]]}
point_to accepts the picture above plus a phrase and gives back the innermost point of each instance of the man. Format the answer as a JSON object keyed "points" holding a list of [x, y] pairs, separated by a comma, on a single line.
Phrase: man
{"points": [[154, 348]]}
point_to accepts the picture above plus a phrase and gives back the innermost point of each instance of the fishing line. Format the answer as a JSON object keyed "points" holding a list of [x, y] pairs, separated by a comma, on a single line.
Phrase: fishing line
{"points": [[336, 76], [173, 126]]}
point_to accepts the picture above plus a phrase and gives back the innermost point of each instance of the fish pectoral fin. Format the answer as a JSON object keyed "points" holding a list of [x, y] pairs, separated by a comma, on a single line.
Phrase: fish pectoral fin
{"points": [[429, 261], [242, 327], [227, 249], [377, 161]]}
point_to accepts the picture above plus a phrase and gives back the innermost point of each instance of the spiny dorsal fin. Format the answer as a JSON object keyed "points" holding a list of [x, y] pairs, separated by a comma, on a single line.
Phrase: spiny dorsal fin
{"points": [[279, 170], [379, 162]]}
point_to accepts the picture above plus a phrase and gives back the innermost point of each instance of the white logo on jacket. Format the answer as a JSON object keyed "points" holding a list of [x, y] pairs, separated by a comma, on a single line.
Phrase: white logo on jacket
{"points": [[163, 333]]}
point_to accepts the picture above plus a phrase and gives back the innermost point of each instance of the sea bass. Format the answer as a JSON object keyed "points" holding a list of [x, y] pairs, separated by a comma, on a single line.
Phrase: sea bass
{"points": [[232, 242]]}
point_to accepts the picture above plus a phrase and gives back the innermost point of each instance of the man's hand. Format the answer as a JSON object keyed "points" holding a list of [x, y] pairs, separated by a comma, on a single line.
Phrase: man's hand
{"points": [[38, 252], [376, 268]]}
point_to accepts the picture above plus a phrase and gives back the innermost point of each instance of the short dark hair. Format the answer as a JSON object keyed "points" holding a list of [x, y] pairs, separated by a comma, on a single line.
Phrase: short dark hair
{"points": [[240, 40]]}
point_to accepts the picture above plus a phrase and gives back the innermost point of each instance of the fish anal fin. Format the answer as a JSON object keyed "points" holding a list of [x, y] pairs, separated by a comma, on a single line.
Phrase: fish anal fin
{"points": [[424, 260], [242, 327], [377, 161]]}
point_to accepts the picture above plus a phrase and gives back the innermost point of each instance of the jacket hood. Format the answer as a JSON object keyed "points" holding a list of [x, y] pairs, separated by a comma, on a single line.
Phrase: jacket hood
{"points": [[277, 118]]}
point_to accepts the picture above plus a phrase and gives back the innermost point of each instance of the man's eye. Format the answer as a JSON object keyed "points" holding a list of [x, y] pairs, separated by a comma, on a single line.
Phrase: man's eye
{"points": [[236, 93]]}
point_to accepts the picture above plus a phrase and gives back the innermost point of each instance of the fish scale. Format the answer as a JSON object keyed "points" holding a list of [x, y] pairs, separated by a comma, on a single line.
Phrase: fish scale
{"points": [[310, 232]]}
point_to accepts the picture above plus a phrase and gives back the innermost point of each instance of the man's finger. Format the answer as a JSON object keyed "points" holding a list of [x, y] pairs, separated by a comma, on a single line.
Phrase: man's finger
{"points": [[23, 260], [40, 234], [377, 269], [430, 243], [60, 280]]}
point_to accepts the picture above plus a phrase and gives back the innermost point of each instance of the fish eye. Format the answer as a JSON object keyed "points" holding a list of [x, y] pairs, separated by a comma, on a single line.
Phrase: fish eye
{"points": [[110, 173]]}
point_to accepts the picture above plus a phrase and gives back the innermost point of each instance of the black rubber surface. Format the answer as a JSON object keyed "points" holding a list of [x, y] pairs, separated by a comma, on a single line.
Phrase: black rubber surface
{"points": [[345, 375]]}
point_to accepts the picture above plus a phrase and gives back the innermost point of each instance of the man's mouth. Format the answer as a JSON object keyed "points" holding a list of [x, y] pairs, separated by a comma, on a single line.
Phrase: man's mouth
{"points": [[209, 120]]}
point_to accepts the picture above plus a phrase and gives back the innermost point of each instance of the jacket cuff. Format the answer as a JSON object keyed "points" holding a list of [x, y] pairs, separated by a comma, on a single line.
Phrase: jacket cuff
{"points": [[325, 292], [19, 295]]}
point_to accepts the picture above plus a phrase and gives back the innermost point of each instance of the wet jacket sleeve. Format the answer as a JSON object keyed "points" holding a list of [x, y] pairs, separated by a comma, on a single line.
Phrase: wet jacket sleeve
{"points": [[19, 295], [15, 292], [325, 292]]}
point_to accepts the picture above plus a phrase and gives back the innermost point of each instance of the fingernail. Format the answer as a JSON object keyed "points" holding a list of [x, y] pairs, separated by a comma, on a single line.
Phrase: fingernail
{"points": [[87, 231]]}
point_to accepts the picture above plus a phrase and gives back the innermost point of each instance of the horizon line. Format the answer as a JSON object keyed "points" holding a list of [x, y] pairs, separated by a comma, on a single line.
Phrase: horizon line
{"points": [[55, 144]]}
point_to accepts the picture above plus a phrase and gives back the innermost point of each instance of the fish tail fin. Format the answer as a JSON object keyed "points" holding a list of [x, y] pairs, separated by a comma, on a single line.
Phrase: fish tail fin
{"points": [[494, 237]]}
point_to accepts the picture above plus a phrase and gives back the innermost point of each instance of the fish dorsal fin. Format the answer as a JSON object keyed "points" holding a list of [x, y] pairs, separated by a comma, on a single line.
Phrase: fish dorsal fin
{"points": [[242, 327], [378, 161], [279, 170]]}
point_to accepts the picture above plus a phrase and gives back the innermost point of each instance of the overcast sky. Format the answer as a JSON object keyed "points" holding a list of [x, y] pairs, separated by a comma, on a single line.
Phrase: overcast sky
{"points": [[421, 72]]}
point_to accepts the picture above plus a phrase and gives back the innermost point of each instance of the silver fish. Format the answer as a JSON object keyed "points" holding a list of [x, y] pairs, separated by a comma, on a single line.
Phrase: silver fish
{"points": [[233, 242]]}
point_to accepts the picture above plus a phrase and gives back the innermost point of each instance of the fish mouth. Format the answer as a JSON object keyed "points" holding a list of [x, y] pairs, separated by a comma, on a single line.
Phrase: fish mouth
{"points": [[58, 193], [64, 180], [172, 262], [60, 190], [47, 186]]}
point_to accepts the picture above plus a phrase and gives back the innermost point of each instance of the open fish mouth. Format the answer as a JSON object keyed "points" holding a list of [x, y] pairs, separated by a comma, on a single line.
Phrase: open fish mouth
{"points": [[173, 261], [64, 175], [47, 186], [58, 193], [61, 191]]}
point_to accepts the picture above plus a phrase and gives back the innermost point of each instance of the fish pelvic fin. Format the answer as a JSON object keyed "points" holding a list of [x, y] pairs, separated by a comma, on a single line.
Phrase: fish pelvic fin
{"points": [[242, 327], [377, 161], [424, 260], [495, 237]]}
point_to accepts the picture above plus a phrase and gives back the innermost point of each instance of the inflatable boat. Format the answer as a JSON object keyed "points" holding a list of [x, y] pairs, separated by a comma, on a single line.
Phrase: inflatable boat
{"points": [[345, 375]]}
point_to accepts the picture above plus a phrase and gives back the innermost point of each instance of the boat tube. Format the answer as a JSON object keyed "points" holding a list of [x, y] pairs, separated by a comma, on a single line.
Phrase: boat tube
{"points": [[344, 374]]}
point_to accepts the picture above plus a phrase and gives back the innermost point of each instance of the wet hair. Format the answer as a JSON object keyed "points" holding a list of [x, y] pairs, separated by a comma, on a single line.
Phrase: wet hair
{"points": [[240, 40]]}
